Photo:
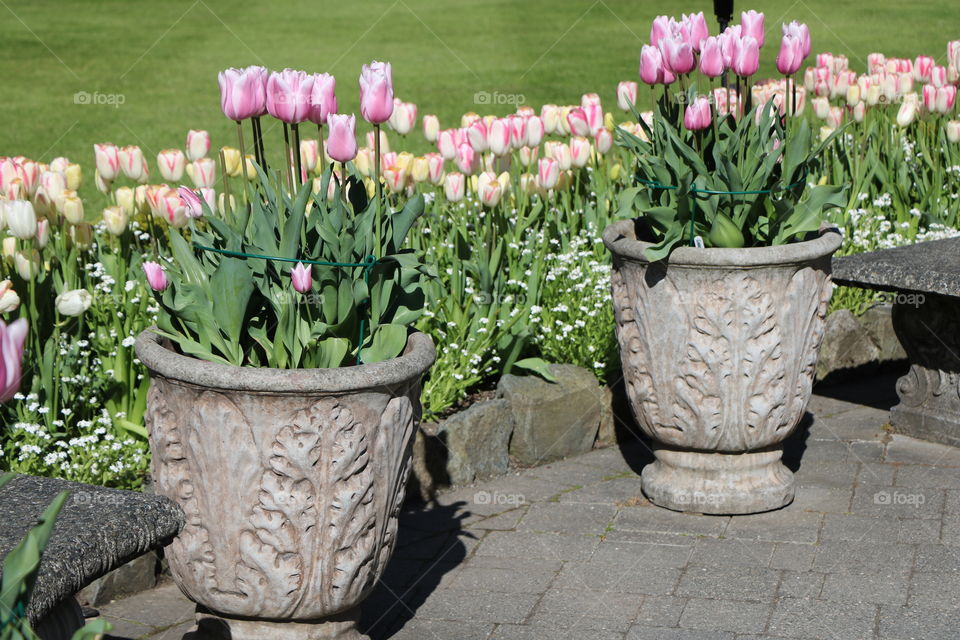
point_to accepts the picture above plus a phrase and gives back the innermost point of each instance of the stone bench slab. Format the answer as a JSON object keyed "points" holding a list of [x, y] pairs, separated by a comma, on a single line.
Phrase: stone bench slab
{"points": [[98, 530], [927, 267]]}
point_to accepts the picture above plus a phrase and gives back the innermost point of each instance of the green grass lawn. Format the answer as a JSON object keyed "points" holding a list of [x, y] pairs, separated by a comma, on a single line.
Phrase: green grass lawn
{"points": [[163, 57]]}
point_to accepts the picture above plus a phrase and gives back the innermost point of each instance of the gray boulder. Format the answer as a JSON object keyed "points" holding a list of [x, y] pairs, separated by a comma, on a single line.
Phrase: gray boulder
{"points": [[477, 441], [846, 344], [553, 420]]}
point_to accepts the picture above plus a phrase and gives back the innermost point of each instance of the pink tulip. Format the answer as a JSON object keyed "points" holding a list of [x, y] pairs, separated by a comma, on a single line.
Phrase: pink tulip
{"points": [[454, 186], [156, 276], [535, 130], [677, 55], [323, 98], [477, 136], [938, 76], [800, 31], [728, 41], [131, 162], [548, 173], [404, 117], [626, 95], [342, 143], [579, 151], [790, 57], [751, 23], [929, 93], [203, 172], [697, 115], [711, 57], [301, 277], [577, 119], [466, 159], [696, 25], [243, 92], [447, 144], [209, 196], [594, 117], [922, 67], [289, 94], [528, 155], [434, 168], [107, 157], [498, 136], [171, 163], [198, 144], [946, 98], [12, 338], [746, 57], [376, 92], [651, 65], [192, 205], [603, 141], [662, 27], [388, 160], [518, 131]]}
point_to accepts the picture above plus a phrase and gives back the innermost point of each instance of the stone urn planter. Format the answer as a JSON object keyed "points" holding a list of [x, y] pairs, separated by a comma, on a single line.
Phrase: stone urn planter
{"points": [[719, 351], [291, 482]]}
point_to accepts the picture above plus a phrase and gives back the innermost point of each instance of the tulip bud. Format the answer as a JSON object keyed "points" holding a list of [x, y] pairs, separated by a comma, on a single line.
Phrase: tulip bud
{"points": [[577, 119], [43, 233], [454, 187], [126, 200], [528, 184], [115, 220], [548, 173], [103, 186], [225, 206], [107, 157], [835, 117], [420, 169], [73, 175], [499, 137], [550, 114], [171, 163], [627, 95], [156, 276], [9, 248], [301, 277], [477, 136], [435, 168], [9, 300], [174, 211], [20, 218], [853, 95], [535, 131], [859, 111], [395, 178], [528, 155], [376, 92], [404, 117], [384, 142], [198, 144], [489, 189], [579, 151], [364, 161], [231, 160], [131, 162], [431, 127], [74, 302], [907, 113], [342, 143], [202, 172], [27, 264], [603, 141]]}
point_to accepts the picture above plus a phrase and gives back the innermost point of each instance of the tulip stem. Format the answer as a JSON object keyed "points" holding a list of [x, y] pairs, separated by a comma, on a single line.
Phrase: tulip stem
{"points": [[226, 185], [258, 141], [322, 153], [287, 159], [296, 142], [243, 165], [376, 154]]}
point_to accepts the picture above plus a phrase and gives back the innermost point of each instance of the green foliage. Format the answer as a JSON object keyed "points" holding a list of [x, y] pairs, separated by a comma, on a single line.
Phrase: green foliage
{"points": [[738, 183], [233, 305]]}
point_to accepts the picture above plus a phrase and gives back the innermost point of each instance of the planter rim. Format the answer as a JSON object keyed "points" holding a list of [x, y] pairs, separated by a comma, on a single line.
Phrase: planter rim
{"points": [[416, 358], [620, 238]]}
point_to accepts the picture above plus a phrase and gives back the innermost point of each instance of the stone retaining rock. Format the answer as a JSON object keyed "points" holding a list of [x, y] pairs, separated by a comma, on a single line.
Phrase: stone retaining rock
{"points": [[553, 420], [854, 343], [477, 441]]}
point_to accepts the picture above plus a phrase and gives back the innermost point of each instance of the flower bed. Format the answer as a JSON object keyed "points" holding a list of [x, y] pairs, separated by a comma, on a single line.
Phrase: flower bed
{"points": [[515, 206]]}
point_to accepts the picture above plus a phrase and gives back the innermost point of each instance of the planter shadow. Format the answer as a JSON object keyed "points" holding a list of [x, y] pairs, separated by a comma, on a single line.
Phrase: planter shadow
{"points": [[796, 444], [430, 544], [865, 385]]}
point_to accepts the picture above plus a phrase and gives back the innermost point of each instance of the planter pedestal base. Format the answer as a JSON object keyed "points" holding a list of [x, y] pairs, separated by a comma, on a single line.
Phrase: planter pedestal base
{"points": [[212, 626], [718, 483]]}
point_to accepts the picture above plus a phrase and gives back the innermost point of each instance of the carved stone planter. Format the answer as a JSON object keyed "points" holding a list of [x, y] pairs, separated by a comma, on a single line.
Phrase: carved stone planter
{"points": [[719, 350], [291, 482]]}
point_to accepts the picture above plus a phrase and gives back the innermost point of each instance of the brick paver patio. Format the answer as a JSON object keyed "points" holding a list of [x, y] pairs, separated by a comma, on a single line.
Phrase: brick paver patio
{"points": [[870, 548]]}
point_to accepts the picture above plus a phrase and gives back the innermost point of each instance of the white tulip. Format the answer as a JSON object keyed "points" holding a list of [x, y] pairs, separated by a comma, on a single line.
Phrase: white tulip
{"points": [[73, 302], [21, 218]]}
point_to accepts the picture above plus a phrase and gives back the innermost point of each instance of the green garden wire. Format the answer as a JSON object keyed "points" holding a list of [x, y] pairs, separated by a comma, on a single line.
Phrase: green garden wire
{"points": [[368, 264], [656, 185]]}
